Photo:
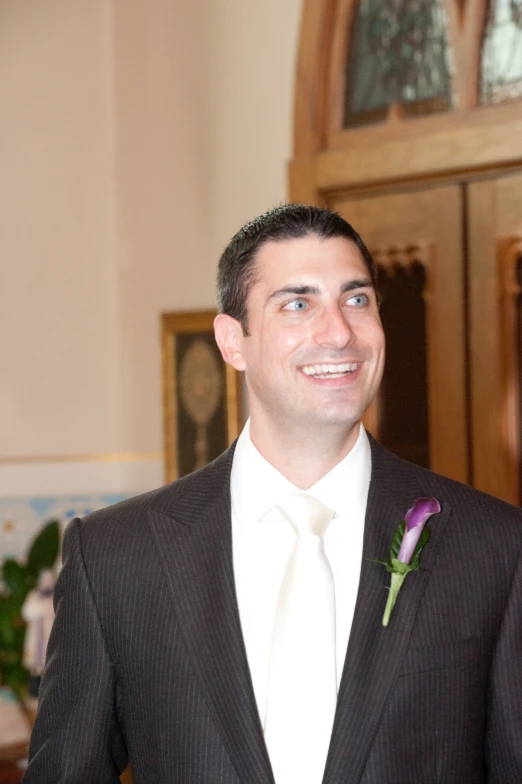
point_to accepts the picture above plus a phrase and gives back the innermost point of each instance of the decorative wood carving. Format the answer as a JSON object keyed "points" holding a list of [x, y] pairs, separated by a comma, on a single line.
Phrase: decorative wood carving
{"points": [[406, 255]]}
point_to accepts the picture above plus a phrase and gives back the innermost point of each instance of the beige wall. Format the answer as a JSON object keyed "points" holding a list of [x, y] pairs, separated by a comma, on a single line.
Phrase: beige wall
{"points": [[254, 47], [136, 137], [58, 323]]}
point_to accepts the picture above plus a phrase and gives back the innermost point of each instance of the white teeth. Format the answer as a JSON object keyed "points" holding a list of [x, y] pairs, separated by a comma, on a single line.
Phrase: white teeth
{"points": [[337, 370]]}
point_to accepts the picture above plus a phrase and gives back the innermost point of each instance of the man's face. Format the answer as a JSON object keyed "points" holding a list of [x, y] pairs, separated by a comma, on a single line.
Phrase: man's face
{"points": [[315, 350]]}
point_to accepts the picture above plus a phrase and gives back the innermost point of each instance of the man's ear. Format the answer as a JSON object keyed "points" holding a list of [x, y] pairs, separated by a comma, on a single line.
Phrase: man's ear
{"points": [[229, 333]]}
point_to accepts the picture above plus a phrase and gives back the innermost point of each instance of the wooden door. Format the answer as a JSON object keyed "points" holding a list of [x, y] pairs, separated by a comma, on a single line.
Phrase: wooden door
{"points": [[412, 233], [495, 277]]}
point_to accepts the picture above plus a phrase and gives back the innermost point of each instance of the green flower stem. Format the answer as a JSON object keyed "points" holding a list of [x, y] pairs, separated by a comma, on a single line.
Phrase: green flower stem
{"points": [[395, 586]]}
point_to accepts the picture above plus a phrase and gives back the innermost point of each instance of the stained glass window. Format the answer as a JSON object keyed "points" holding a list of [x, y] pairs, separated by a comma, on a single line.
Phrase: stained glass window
{"points": [[398, 55], [501, 66]]}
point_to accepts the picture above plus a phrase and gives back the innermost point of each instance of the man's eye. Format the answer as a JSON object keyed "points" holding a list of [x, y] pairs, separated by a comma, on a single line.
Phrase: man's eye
{"points": [[296, 304], [359, 300]]}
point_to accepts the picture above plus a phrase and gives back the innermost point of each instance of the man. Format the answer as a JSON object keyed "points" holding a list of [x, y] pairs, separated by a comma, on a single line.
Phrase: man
{"points": [[170, 645]]}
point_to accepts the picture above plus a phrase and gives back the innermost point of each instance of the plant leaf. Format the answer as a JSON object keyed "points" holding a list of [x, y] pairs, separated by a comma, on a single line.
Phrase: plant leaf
{"points": [[17, 677], [44, 550], [15, 578], [397, 540], [7, 628], [423, 539]]}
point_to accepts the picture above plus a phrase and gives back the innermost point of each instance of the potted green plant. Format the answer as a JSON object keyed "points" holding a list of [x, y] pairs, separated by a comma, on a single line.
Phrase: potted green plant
{"points": [[18, 579]]}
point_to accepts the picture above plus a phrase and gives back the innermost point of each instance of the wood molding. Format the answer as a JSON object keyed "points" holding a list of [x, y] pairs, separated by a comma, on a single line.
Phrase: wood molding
{"points": [[340, 41], [311, 91], [466, 21], [406, 255], [462, 148], [107, 457], [488, 473], [509, 255]]}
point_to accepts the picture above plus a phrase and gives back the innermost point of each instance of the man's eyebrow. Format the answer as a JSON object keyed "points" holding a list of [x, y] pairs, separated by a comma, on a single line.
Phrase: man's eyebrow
{"points": [[298, 290], [359, 283]]}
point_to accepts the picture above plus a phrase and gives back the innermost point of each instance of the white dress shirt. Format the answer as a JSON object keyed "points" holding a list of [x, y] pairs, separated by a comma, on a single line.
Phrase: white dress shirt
{"points": [[262, 542]]}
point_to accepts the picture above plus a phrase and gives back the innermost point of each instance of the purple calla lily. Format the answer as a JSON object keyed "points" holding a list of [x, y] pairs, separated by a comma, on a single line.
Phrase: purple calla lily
{"points": [[416, 519]]}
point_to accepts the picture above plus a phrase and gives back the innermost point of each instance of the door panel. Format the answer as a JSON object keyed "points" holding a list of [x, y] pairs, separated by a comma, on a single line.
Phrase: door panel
{"points": [[495, 274], [411, 234]]}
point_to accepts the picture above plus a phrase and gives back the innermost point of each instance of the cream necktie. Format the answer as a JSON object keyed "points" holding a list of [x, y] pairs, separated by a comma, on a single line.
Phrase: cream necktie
{"points": [[302, 684]]}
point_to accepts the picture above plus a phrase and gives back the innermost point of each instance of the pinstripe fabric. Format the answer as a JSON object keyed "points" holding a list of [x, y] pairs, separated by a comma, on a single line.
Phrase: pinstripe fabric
{"points": [[146, 660], [415, 705]]}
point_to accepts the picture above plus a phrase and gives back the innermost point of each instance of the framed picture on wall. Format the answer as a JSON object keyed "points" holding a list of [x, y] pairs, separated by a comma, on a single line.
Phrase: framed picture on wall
{"points": [[202, 394]]}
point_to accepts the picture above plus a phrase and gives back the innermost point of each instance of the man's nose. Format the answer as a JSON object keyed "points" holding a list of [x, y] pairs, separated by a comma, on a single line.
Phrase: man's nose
{"points": [[334, 329]]}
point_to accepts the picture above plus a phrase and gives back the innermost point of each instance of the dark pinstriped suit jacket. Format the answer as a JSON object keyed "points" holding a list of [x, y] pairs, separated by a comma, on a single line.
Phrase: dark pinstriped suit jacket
{"points": [[147, 662]]}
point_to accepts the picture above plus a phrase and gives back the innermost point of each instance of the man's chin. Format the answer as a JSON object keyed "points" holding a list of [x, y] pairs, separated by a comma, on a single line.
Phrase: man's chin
{"points": [[334, 419]]}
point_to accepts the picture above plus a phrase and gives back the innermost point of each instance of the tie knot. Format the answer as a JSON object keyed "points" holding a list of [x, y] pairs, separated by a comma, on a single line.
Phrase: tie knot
{"points": [[306, 514]]}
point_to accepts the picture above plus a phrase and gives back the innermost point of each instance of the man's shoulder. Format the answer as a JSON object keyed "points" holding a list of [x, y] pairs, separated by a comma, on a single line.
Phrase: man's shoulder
{"points": [[192, 492], [465, 501]]}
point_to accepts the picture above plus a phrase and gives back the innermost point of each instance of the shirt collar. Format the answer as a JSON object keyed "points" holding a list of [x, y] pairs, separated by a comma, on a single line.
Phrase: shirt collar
{"points": [[256, 486]]}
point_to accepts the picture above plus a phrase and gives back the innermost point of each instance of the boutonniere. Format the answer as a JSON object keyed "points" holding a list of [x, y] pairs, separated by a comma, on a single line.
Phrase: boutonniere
{"points": [[406, 548]]}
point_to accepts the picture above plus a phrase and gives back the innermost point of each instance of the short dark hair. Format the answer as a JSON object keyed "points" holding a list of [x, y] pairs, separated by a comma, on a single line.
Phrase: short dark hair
{"points": [[237, 265]]}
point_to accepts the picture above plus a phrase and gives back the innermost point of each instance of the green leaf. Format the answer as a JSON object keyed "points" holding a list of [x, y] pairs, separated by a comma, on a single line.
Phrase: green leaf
{"points": [[14, 577], [397, 540], [44, 550], [17, 677], [423, 539], [9, 605], [7, 630], [9, 656]]}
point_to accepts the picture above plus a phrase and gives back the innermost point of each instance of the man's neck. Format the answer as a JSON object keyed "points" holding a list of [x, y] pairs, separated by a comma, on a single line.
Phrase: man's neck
{"points": [[303, 456]]}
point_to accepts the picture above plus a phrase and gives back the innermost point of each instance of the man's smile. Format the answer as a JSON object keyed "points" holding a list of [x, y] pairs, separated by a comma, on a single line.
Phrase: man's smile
{"points": [[329, 370]]}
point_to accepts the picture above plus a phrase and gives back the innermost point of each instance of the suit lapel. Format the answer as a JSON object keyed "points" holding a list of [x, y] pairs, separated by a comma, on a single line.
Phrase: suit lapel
{"points": [[194, 541], [375, 654]]}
